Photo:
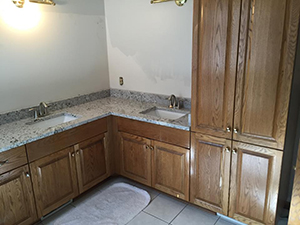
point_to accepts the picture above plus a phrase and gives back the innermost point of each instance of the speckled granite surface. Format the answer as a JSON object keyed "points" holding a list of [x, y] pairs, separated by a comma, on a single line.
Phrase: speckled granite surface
{"points": [[18, 133], [148, 97], [25, 113]]}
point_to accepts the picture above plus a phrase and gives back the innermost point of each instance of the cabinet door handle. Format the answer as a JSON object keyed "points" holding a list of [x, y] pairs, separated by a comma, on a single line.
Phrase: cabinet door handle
{"points": [[228, 129], [151, 148], [227, 149], [235, 130], [73, 154], [77, 152], [27, 174], [234, 151], [3, 162], [147, 146]]}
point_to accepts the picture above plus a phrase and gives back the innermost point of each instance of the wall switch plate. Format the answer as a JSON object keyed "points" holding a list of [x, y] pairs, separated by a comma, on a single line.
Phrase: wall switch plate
{"points": [[121, 81]]}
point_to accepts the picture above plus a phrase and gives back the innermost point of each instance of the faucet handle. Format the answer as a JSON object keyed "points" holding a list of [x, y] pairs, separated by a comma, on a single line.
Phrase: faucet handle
{"points": [[35, 112], [43, 109], [179, 104]]}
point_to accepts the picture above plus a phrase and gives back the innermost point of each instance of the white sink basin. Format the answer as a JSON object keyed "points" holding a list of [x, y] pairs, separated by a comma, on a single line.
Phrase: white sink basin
{"points": [[53, 121], [164, 113]]}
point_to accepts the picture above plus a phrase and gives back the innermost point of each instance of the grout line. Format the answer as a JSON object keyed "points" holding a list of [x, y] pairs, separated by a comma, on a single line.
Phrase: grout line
{"points": [[134, 217], [155, 197], [156, 217], [150, 202], [217, 220], [179, 213]]}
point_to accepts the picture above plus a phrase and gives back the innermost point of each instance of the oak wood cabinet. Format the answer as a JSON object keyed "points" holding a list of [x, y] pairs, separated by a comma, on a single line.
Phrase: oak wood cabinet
{"points": [[155, 163], [17, 204], [63, 175], [91, 162], [170, 169], [215, 41], [267, 45], [210, 172], [136, 158], [67, 164], [54, 180], [255, 174], [243, 61], [243, 57]]}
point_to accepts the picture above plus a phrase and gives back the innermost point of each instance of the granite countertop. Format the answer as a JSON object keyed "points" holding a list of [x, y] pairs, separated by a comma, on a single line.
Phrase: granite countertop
{"points": [[18, 133]]}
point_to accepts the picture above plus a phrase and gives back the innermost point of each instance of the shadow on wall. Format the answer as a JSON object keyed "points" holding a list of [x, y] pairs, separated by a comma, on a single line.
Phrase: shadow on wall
{"points": [[158, 38]]}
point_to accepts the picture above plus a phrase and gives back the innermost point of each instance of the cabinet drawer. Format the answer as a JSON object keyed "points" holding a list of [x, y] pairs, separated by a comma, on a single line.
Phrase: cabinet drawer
{"points": [[12, 159], [155, 132], [46, 146]]}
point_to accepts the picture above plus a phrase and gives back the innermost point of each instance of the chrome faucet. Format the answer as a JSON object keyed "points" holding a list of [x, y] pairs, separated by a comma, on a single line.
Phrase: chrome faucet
{"points": [[174, 102], [43, 109], [40, 111]]}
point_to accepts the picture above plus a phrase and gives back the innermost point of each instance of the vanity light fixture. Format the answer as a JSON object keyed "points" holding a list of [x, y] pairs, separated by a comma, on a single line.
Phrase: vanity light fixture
{"points": [[20, 3], [47, 2], [178, 2]]}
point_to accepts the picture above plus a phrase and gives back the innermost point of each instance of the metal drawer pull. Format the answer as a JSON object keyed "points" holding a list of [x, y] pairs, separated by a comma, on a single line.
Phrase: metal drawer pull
{"points": [[228, 129], [147, 146], [27, 174], [151, 148], [235, 131], [3, 162], [227, 150], [234, 151]]}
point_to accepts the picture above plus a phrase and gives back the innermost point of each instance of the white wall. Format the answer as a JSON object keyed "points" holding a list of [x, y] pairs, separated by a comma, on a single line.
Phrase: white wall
{"points": [[64, 56], [150, 46]]}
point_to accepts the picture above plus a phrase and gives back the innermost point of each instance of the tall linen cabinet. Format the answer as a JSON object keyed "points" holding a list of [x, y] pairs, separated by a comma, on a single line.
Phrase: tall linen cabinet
{"points": [[243, 60]]}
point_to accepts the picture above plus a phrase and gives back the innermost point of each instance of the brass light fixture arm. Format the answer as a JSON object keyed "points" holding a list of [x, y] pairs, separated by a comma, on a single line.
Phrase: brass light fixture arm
{"points": [[20, 3], [47, 2], [178, 2]]}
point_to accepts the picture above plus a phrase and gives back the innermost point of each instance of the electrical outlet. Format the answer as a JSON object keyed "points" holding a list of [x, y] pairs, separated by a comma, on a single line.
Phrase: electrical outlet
{"points": [[121, 81]]}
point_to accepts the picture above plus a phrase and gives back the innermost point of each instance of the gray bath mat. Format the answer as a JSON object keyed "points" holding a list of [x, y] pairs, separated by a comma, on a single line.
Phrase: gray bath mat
{"points": [[116, 205]]}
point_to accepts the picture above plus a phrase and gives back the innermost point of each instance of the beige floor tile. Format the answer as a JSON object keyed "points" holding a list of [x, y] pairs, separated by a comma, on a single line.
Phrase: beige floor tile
{"points": [[193, 215], [165, 208], [146, 219]]}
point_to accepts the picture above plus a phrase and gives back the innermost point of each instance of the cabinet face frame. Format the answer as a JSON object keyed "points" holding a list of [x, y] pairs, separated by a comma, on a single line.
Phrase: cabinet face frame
{"points": [[267, 27], [211, 147], [38, 180], [141, 145], [81, 164], [215, 49], [264, 175], [25, 195], [165, 182]]}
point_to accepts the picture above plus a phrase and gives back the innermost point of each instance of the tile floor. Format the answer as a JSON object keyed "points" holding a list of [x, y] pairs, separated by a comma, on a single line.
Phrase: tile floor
{"points": [[162, 209]]}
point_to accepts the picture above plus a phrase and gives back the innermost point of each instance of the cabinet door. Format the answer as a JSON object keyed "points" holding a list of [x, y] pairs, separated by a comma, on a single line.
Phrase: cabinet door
{"points": [[215, 44], [170, 169], [268, 34], [54, 180], [255, 174], [135, 158], [91, 162], [16, 198], [210, 172]]}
